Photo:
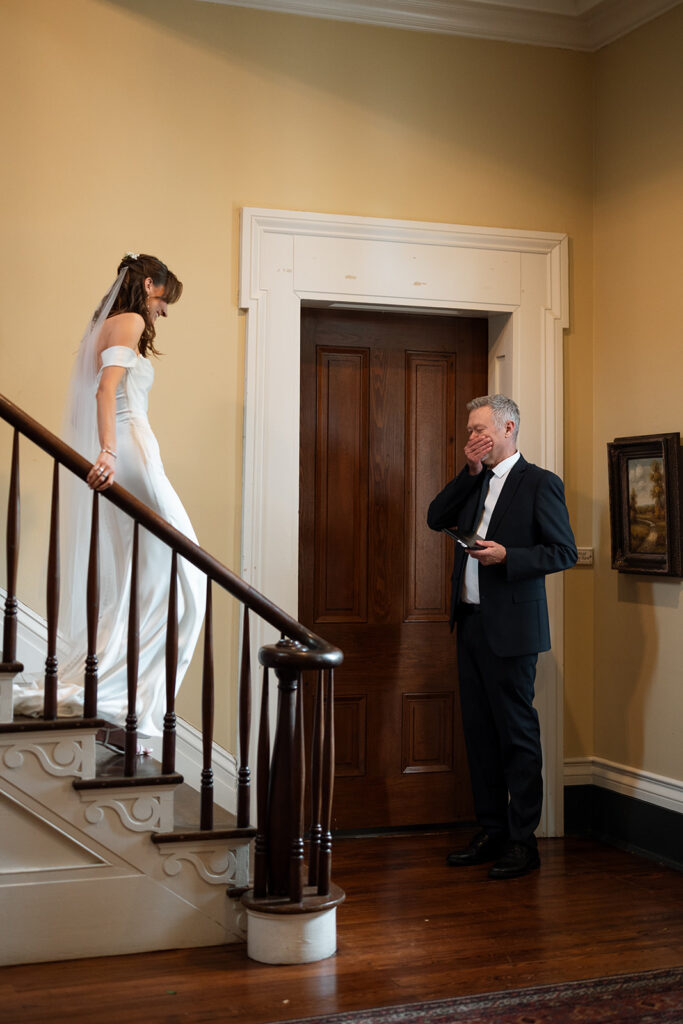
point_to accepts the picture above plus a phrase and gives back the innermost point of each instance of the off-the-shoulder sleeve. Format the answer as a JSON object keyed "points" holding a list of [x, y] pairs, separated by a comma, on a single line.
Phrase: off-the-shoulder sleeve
{"points": [[118, 355]]}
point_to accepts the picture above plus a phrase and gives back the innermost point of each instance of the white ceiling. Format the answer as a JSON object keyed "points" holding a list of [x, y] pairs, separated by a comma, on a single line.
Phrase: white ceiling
{"points": [[570, 24]]}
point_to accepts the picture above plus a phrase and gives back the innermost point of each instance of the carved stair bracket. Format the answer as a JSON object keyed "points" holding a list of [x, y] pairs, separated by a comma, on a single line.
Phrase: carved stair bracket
{"points": [[152, 812], [215, 864], [63, 756]]}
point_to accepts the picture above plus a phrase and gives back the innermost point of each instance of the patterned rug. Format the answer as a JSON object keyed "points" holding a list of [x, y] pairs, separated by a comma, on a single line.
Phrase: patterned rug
{"points": [[651, 997]]}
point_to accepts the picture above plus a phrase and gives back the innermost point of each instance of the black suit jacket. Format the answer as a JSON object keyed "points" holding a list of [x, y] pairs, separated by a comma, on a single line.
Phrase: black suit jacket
{"points": [[530, 520]]}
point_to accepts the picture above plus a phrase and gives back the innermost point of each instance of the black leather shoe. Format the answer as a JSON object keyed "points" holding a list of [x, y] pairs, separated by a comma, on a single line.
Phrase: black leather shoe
{"points": [[518, 860], [482, 848]]}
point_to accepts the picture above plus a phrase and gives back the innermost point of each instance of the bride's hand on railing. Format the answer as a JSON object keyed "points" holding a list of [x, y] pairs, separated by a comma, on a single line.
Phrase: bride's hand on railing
{"points": [[103, 471]]}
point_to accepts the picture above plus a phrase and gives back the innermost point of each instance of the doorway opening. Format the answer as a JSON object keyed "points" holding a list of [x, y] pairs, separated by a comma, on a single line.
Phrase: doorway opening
{"points": [[383, 416]]}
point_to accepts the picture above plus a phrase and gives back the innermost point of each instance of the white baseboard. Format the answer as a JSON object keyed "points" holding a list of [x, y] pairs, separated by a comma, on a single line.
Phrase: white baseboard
{"points": [[633, 782]]}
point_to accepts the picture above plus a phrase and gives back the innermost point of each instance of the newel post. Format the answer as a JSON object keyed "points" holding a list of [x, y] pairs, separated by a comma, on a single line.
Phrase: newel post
{"points": [[288, 921], [286, 790]]}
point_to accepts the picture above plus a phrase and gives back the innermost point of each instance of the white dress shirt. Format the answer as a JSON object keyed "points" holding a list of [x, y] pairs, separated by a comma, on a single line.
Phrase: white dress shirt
{"points": [[470, 586]]}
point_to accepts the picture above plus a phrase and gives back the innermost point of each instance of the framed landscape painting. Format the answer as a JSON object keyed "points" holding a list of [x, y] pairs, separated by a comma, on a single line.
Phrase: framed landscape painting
{"points": [[645, 504]]}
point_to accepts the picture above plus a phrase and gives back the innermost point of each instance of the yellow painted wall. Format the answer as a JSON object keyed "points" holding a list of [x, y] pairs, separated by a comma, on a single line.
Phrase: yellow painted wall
{"points": [[148, 124], [638, 378]]}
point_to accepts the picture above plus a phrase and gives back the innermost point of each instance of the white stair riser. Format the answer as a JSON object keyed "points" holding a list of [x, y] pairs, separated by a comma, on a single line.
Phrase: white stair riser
{"points": [[103, 916], [6, 713]]}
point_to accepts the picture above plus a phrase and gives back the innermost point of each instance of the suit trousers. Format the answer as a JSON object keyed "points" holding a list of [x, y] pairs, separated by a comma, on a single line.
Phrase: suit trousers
{"points": [[502, 733]]}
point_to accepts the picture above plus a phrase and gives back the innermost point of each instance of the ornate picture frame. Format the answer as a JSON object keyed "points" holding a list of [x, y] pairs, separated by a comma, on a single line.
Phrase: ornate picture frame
{"points": [[645, 504]]}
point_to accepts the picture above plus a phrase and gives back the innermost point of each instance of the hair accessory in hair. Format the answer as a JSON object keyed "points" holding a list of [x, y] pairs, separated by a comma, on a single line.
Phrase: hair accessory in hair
{"points": [[133, 255]]}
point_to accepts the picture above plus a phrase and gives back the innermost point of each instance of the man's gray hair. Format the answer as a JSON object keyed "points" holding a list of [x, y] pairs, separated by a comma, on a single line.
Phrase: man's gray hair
{"points": [[502, 407]]}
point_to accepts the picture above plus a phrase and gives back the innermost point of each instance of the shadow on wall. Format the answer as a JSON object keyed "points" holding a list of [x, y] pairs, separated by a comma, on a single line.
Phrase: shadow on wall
{"points": [[662, 593], [636, 653]]}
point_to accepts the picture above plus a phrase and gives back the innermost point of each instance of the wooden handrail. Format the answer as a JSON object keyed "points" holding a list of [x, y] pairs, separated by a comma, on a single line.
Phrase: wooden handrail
{"points": [[328, 656]]}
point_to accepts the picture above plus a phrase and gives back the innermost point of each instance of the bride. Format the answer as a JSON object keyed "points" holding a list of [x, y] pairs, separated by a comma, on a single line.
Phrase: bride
{"points": [[106, 421]]}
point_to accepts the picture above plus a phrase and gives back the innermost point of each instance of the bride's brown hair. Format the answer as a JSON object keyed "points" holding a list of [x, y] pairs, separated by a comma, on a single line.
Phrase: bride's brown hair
{"points": [[132, 297]]}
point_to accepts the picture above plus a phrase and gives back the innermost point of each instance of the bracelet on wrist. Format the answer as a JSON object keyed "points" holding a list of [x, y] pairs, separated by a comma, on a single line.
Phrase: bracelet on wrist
{"points": [[108, 451]]}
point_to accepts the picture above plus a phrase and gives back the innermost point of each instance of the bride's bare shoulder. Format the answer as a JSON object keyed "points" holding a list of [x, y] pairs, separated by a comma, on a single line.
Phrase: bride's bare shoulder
{"points": [[122, 329]]}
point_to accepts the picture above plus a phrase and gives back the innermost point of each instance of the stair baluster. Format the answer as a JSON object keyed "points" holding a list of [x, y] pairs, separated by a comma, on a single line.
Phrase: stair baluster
{"points": [[92, 610], [169, 734], [325, 860], [9, 639], [131, 741], [316, 783], [262, 789], [244, 773], [50, 705], [206, 790], [296, 792]]}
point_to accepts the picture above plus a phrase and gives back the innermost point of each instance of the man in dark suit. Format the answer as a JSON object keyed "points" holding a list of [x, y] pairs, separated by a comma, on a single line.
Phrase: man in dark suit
{"points": [[498, 600]]}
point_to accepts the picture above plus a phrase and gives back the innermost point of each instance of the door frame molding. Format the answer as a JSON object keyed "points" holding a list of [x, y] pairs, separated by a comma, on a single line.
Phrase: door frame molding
{"points": [[517, 279]]}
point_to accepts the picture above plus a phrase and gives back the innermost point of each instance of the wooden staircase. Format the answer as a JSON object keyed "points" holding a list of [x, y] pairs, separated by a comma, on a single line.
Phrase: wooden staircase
{"points": [[103, 854]]}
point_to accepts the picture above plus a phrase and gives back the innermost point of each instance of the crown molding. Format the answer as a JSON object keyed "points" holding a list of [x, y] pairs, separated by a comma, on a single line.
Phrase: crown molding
{"points": [[608, 20], [569, 24]]}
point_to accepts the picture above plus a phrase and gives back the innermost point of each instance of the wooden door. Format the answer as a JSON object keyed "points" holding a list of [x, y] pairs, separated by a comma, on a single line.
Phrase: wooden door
{"points": [[382, 428]]}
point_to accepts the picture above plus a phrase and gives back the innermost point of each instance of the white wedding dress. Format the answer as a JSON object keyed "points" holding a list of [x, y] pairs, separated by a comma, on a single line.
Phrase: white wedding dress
{"points": [[139, 469]]}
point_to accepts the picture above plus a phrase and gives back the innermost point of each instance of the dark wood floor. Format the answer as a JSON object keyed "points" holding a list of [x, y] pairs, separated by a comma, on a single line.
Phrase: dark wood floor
{"points": [[411, 929]]}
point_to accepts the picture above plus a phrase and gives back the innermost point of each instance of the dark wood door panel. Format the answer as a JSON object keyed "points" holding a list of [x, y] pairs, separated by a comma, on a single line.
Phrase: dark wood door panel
{"points": [[430, 437], [341, 491], [382, 418], [405, 801], [427, 732]]}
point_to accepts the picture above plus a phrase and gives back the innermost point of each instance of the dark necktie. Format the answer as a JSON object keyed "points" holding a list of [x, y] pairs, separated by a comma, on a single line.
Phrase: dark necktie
{"points": [[488, 473]]}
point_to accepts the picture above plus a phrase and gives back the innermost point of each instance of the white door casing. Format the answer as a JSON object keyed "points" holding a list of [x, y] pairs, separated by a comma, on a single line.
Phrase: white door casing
{"points": [[517, 279]]}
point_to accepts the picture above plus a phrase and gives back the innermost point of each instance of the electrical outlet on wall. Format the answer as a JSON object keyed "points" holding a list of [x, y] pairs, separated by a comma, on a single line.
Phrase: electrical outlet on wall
{"points": [[585, 556]]}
